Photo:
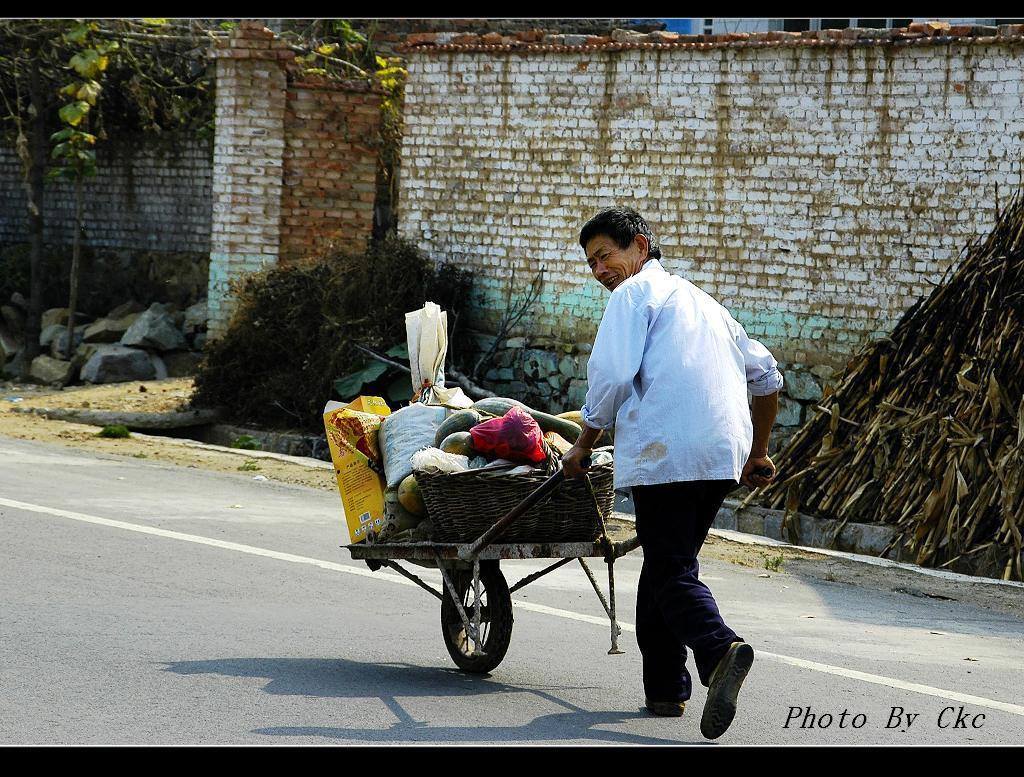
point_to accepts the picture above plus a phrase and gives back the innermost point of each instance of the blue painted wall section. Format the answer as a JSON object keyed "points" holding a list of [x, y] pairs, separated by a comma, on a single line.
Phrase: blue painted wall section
{"points": [[682, 26]]}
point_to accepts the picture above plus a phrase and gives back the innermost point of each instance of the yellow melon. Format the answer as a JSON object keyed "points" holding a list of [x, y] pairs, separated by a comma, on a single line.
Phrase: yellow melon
{"points": [[409, 496]]}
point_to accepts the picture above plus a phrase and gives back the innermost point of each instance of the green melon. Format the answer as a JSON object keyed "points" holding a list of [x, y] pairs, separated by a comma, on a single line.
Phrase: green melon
{"points": [[570, 430], [498, 406], [459, 443], [459, 421]]}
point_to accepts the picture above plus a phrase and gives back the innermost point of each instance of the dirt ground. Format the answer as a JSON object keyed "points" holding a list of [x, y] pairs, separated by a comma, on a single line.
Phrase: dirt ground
{"points": [[171, 394], [159, 396], [783, 562]]}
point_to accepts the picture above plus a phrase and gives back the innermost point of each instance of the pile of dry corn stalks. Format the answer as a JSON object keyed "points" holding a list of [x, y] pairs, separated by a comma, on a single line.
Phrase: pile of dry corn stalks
{"points": [[925, 429]]}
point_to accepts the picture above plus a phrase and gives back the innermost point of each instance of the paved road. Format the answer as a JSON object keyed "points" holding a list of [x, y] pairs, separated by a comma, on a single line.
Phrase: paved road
{"points": [[144, 603]]}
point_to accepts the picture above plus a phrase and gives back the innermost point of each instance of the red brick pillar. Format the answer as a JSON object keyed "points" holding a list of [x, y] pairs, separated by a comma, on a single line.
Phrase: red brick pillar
{"points": [[330, 166]]}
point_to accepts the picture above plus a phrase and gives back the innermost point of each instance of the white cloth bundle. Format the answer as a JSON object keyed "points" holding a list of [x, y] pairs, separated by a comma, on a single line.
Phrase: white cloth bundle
{"points": [[426, 332], [436, 460]]}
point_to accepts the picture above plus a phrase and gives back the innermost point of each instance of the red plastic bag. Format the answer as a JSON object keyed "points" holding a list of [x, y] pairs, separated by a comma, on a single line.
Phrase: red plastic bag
{"points": [[515, 436]]}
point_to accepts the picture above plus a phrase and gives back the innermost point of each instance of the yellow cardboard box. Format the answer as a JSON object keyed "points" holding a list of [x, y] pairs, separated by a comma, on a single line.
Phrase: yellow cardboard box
{"points": [[352, 437], [375, 405]]}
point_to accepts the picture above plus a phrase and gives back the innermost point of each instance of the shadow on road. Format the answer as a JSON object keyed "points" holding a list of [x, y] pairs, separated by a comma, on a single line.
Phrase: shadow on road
{"points": [[341, 678]]}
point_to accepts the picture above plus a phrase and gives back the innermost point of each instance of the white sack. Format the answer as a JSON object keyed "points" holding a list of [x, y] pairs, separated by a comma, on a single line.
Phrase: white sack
{"points": [[402, 434]]}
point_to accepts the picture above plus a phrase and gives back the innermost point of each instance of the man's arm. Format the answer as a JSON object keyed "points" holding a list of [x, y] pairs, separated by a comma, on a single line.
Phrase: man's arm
{"points": [[762, 415], [572, 461], [764, 381], [613, 365]]}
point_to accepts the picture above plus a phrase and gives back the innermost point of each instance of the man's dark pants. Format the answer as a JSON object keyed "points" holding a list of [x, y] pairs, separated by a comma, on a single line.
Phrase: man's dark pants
{"points": [[675, 610]]}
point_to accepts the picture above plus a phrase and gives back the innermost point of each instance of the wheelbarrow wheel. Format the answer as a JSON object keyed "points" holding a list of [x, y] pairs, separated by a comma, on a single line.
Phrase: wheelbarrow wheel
{"points": [[495, 619]]}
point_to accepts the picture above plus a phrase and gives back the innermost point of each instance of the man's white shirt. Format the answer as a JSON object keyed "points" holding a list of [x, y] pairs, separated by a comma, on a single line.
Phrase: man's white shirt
{"points": [[670, 370]]}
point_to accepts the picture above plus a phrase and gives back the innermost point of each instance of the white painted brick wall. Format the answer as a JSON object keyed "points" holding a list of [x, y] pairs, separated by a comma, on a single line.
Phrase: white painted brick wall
{"points": [[247, 160], [815, 191]]}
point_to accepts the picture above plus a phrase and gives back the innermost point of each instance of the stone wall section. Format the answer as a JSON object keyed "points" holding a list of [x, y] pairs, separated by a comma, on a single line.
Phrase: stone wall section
{"points": [[330, 167]]}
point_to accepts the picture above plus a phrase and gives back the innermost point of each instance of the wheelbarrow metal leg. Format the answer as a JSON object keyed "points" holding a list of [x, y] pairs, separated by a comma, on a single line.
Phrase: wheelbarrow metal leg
{"points": [[616, 631], [609, 609], [402, 571], [470, 630], [477, 607], [597, 588]]}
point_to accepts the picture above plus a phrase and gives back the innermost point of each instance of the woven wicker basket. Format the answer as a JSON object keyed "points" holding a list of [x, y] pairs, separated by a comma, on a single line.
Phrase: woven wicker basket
{"points": [[463, 505]]}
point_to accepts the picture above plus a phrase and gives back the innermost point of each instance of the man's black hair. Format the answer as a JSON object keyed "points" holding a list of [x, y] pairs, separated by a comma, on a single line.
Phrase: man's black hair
{"points": [[621, 225]]}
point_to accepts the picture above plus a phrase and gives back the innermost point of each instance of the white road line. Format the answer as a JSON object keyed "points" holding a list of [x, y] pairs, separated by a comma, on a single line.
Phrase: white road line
{"points": [[177, 535], [570, 615], [891, 682], [852, 674]]}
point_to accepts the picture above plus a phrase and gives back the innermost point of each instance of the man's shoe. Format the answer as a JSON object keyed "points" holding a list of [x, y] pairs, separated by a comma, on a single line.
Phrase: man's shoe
{"points": [[723, 688], [667, 709]]}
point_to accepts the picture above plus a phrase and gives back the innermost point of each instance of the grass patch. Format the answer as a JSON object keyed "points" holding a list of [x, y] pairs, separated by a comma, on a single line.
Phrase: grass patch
{"points": [[246, 443], [249, 466], [773, 563], [115, 431]]}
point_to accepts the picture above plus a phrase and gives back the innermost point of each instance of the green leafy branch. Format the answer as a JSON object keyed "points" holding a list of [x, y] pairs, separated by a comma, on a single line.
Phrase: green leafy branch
{"points": [[74, 144]]}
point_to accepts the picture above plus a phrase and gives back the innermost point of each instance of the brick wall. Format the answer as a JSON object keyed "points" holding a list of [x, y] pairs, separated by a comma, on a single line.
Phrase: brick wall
{"points": [[247, 162], [148, 194], [291, 168], [294, 162], [817, 188], [386, 33], [330, 167]]}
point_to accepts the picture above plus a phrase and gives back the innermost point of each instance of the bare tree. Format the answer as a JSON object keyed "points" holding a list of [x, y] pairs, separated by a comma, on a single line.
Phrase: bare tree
{"points": [[515, 310]]}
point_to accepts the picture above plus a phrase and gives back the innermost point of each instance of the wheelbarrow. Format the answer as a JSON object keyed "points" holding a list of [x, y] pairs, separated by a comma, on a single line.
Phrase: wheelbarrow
{"points": [[476, 602]]}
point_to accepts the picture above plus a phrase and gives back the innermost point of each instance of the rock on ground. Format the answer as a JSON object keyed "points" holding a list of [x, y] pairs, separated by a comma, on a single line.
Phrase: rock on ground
{"points": [[53, 316], [109, 330], [116, 363], [49, 332], [154, 329], [195, 318], [59, 344], [159, 366], [125, 309], [181, 364], [47, 370], [85, 351], [10, 343]]}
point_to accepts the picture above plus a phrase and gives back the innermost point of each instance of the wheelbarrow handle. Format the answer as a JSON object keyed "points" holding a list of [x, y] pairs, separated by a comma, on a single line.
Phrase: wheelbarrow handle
{"points": [[545, 488]]}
